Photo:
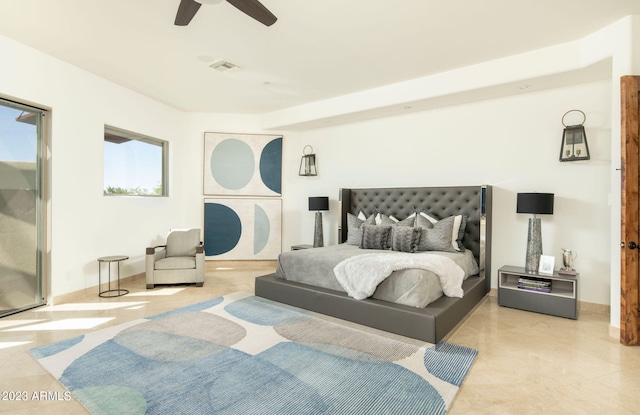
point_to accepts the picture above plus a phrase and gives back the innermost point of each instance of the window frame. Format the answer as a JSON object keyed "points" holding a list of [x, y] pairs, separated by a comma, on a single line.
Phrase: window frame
{"points": [[133, 136]]}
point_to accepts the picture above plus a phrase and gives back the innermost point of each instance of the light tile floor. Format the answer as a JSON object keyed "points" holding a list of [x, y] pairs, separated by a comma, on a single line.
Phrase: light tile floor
{"points": [[528, 363]]}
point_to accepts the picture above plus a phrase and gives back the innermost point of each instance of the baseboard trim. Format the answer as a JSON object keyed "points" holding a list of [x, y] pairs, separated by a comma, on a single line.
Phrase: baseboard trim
{"points": [[614, 332], [73, 296]]}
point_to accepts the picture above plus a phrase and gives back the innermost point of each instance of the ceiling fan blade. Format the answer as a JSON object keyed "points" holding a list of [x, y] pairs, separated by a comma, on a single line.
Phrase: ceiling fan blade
{"points": [[256, 10], [186, 10]]}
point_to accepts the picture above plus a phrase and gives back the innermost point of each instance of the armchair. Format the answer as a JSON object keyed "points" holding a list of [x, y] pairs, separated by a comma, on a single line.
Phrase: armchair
{"points": [[180, 261]]}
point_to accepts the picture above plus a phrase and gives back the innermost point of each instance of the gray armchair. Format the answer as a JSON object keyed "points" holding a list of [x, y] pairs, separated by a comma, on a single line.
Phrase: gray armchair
{"points": [[180, 261]]}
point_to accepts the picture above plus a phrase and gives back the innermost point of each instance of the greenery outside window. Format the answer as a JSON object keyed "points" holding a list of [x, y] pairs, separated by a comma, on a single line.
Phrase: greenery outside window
{"points": [[134, 164]]}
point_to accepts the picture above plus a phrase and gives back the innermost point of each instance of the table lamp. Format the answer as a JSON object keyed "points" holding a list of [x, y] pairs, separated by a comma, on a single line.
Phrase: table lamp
{"points": [[537, 204], [318, 203]]}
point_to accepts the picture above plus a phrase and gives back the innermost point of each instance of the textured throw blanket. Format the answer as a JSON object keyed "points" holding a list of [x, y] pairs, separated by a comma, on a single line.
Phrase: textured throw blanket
{"points": [[360, 275]]}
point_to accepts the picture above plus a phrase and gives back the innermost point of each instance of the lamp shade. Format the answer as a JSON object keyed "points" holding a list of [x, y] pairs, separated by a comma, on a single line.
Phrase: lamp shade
{"points": [[319, 203], [536, 203]]}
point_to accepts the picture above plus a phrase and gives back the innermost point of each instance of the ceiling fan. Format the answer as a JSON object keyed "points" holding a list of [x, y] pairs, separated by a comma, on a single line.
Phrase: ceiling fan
{"points": [[252, 8]]}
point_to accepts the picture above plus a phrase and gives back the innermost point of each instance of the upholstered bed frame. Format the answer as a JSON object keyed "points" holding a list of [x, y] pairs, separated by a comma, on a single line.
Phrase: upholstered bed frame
{"points": [[433, 322]]}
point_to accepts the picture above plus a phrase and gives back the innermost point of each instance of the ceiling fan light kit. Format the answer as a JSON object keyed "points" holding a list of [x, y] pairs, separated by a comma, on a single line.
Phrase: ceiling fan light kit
{"points": [[252, 8]]}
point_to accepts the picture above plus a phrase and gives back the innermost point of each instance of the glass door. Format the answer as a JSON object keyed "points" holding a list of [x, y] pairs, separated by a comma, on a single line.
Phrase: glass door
{"points": [[21, 215]]}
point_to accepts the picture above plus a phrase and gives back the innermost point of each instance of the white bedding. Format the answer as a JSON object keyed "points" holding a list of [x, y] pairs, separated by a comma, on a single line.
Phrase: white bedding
{"points": [[360, 275]]}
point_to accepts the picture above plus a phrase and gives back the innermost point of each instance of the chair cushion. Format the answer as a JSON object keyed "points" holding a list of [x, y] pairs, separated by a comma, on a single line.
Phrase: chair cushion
{"points": [[183, 242], [176, 262]]}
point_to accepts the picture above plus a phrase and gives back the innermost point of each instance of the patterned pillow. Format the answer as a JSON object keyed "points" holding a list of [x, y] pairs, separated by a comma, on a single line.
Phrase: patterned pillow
{"points": [[391, 221], [354, 228], [457, 232], [375, 236], [423, 224], [405, 238], [438, 237]]}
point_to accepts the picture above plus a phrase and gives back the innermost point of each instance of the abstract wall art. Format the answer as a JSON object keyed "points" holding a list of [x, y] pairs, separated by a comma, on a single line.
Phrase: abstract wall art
{"points": [[241, 228], [242, 164]]}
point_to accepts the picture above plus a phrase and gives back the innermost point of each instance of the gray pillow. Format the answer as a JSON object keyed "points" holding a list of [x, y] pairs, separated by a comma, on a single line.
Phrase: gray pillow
{"points": [[354, 228], [183, 242], [456, 243], [386, 220], [405, 238], [438, 236], [423, 224], [375, 236]]}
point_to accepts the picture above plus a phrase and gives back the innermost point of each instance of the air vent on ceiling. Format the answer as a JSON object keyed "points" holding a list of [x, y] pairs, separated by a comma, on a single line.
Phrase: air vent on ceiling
{"points": [[223, 65]]}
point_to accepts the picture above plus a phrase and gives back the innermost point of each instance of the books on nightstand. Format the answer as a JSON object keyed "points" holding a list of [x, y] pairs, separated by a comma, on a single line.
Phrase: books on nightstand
{"points": [[534, 284]]}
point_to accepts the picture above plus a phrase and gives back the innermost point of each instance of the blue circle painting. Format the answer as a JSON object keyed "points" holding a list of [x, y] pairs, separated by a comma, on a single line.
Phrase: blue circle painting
{"points": [[223, 229], [261, 230], [271, 165], [232, 164]]}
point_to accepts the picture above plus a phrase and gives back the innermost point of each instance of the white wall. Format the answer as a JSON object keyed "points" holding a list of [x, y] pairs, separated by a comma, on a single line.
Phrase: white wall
{"points": [[84, 224], [511, 143]]}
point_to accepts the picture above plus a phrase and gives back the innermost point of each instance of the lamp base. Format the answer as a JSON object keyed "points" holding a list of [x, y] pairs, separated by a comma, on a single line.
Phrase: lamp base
{"points": [[534, 246], [318, 237]]}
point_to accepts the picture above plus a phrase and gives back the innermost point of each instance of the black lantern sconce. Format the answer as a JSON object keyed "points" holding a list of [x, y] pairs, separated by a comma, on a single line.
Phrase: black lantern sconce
{"points": [[574, 141], [308, 163]]}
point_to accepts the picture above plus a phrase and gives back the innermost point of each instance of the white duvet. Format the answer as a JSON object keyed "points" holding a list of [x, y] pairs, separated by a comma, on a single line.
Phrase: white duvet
{"points": [[360, 275]]}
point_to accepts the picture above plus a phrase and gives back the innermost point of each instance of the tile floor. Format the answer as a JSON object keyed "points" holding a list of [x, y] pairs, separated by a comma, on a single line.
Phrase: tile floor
{"points": [[527, 364]]}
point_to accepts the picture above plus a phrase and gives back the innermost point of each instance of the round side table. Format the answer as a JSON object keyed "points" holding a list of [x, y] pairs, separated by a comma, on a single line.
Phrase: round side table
{"points": [[108, 293]]}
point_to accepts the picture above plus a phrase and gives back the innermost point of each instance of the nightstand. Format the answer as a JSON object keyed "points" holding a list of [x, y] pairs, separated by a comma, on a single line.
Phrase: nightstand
{"points": [[303, 246], [555, 294]]}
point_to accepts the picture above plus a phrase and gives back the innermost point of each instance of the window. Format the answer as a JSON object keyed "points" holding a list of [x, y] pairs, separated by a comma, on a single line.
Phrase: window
{"points": [[134, 164], [22, 213]]}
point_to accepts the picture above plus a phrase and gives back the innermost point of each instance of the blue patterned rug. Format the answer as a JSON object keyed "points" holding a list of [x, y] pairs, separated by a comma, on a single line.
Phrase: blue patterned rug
{"points": [[241, 354]]}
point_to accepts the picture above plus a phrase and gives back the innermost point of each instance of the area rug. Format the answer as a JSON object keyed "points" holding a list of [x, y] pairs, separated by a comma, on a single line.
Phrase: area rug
{"points": [[241, 354]]}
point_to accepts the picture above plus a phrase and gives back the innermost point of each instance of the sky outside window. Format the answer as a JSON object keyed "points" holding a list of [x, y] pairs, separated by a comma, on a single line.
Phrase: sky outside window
{"points": [[18, 140]]}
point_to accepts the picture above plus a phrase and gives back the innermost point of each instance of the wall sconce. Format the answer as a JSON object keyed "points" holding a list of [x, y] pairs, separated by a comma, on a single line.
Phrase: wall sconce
{"points": [[574, 141], [308, 163]]}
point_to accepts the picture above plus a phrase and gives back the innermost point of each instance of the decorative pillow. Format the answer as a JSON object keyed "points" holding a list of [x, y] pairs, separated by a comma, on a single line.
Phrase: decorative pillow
{"points": [[183, 242], [423, 224], [382, 219], [438, 237], [405, 238], [430, 218], [391, 221], [457, 232], [354, 228], [424, 221], [457, 242], [375, 236]]}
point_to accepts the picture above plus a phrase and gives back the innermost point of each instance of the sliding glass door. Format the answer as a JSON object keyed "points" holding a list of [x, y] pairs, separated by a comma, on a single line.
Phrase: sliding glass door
{"points": [[21, 226]]}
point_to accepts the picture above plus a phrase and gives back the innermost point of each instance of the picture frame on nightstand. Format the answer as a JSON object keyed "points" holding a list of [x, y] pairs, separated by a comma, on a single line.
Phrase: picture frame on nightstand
{"points": [[547, 263]]}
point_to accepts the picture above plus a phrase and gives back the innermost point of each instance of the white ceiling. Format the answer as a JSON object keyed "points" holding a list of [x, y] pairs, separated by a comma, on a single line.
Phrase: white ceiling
{"points": [[317, 49]]}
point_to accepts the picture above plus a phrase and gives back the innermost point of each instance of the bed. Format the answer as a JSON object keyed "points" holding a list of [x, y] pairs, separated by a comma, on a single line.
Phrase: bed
{"points": [[431, 323]]}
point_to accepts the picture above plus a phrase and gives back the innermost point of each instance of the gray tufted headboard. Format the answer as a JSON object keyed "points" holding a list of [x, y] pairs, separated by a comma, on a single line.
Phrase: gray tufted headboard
{"points": [[439, 202]]}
